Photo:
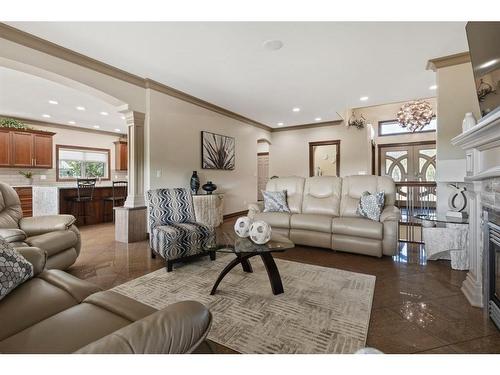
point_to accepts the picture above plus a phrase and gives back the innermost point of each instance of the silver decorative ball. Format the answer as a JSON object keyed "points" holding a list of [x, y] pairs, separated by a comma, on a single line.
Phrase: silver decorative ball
{"points": [[242, 226], [260, 232]]}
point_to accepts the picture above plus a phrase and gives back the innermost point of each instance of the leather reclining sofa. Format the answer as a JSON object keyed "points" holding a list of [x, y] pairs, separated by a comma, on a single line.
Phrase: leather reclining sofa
{"points": [[54, 234], [324, 213], [55, 312]]}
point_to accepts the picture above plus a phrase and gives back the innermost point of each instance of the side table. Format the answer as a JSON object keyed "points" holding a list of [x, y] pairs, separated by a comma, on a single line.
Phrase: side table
{"points": [[450, 242], [209, 208]]}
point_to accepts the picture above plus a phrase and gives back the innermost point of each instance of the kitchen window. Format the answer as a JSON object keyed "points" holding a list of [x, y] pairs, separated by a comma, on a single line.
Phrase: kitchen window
{"points": [[82, 162]]}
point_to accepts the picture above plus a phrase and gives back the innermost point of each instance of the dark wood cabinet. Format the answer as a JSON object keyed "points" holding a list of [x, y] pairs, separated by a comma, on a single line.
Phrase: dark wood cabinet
{"points": [[121, 155], [4, 148], [26, 197], [25, 148]]}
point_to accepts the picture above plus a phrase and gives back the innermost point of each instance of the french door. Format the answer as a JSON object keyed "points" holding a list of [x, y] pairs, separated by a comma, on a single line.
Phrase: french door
{"points": [[412, 166], [408, 161]]}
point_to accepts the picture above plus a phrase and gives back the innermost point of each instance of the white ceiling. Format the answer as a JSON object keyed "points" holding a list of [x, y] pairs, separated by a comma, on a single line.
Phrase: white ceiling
{"points": [[323, 68], [27, 96]]}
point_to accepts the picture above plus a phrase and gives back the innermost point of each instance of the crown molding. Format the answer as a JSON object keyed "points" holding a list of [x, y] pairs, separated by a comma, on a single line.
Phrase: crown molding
{"points": [[442, 62], [63, 126], [170, 91], [31, 41], [308, 126]]}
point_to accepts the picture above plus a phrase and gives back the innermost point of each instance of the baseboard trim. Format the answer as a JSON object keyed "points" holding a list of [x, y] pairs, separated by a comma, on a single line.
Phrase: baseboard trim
{"points": [[235, 214], [472, 291]]}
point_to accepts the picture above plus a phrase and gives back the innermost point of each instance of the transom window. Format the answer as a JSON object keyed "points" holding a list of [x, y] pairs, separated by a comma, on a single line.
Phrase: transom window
{"points": [[82, 162], [392, 127]]}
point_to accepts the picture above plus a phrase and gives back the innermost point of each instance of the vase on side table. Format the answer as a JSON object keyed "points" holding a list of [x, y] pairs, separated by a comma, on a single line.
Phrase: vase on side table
{"points": [[194, 183]]}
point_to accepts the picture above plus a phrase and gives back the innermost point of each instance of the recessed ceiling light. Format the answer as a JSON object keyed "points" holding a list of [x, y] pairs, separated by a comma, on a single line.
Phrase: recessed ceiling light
{"points": [[53, 102], [104, 113], [318, 119], [280, 124], [46, 115], [117, 130], [96, 126], [296, 109], [80, 108], [363, 98], [123, 117], [71, 122], [273, 45], [487, 64], [433, 87]]}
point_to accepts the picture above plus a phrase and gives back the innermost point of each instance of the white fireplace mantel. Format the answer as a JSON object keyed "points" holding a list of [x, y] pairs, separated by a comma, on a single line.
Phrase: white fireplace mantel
{"points": [[482, 156]]}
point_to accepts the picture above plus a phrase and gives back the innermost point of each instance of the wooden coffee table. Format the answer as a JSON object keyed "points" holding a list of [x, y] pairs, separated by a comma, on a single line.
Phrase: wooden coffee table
{"points": [[244, 249]]}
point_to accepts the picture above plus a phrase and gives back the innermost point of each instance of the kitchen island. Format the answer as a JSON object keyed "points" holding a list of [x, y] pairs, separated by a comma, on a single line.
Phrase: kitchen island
{"points": [[53, 200]]}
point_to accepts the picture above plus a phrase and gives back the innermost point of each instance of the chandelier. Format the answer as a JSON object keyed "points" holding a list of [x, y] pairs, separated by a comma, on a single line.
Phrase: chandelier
{"points": [[415, 115]]}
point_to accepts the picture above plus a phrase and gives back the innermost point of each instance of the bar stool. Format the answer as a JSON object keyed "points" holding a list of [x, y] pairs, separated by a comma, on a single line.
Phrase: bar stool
{"points": [[85, 190], [119, 191]]}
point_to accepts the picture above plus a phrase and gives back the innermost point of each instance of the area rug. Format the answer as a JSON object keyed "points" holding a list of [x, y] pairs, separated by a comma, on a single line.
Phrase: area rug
{"points": [[323, 310]]}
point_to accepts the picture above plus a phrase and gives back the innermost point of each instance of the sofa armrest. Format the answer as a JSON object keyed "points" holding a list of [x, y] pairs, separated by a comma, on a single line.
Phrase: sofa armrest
{"points": [[35, 256], [177, 329], [255, 208], [43, 224], [390, 213], [12, 234]]}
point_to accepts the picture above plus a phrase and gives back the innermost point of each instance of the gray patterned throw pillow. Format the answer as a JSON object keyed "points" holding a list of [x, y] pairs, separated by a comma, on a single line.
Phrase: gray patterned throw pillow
{"points": [[275, 201], [14, 268], [371, 205]]}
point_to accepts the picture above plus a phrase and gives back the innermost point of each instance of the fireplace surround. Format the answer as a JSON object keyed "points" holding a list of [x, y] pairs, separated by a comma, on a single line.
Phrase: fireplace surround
{"points": [[491, 238]]}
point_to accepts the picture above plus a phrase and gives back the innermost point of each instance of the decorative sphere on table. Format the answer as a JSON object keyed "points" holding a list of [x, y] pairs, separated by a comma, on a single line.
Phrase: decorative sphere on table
{"points": [[260, 232], [242, 226]]}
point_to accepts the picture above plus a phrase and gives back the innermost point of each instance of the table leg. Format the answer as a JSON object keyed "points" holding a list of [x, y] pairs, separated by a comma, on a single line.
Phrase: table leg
{"points": [[273, 273], [239, 259]]}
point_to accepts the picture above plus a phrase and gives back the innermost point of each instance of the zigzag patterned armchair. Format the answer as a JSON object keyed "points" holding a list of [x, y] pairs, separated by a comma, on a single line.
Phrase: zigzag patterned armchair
{"points": [[174, 233]]}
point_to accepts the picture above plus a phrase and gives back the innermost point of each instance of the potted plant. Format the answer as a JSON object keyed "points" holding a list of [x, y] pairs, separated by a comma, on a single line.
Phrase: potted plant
{"points": [[28, 175], [13, 124]]}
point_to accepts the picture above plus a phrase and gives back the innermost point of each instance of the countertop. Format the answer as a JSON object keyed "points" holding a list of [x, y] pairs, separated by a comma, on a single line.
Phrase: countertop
{"points": [[59, 187]]}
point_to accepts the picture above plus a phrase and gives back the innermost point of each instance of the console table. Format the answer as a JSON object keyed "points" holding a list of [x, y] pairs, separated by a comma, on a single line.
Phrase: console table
{"points": [[209, 208]]}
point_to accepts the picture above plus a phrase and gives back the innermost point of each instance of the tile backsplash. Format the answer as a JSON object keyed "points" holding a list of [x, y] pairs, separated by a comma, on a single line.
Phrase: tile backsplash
{"points": [[12, 177]]}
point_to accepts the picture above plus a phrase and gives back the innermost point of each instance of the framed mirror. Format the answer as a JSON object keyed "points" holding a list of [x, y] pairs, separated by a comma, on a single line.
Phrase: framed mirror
{"points": [[324, 158]]}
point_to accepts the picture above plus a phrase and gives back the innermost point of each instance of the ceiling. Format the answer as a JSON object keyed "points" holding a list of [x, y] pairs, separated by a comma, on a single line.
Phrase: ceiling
{"points": [[322, 68], [27, 96]]}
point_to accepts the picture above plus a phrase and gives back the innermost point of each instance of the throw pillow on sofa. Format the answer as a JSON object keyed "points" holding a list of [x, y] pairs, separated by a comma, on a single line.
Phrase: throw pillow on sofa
{"points": [[275, 201], [14, 268], [371, 205]]}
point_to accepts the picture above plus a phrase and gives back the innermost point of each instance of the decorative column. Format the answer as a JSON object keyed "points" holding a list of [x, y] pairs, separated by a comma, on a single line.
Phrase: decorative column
{"points": [[130, 220]]}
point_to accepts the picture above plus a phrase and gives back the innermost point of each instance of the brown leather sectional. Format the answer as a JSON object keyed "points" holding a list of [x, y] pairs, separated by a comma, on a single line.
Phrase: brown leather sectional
{"points": [[323, 213], [55, 312]]}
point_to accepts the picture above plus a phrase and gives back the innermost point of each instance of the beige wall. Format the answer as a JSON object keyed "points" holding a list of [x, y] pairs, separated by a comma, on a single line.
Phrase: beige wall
{"points": [[289, 150], [64, 136], [456, 96], [175, 149]]}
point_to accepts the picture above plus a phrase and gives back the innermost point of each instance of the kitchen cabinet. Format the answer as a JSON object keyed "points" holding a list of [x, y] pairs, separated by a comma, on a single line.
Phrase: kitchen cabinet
{"points": [[25, 148], [121, 155], [4, 148]]}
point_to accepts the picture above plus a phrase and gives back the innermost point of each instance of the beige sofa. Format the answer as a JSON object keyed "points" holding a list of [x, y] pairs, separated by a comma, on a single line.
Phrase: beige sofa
{"points": [[323, 214], [54, 234], [55, 312]]}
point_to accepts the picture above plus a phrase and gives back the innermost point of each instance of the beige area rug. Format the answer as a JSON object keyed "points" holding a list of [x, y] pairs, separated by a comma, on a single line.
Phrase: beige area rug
{"points": [[323, 310]]}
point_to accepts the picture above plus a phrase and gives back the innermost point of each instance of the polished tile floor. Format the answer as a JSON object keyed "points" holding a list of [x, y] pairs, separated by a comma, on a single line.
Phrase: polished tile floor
{"points": [[417, 308]]}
